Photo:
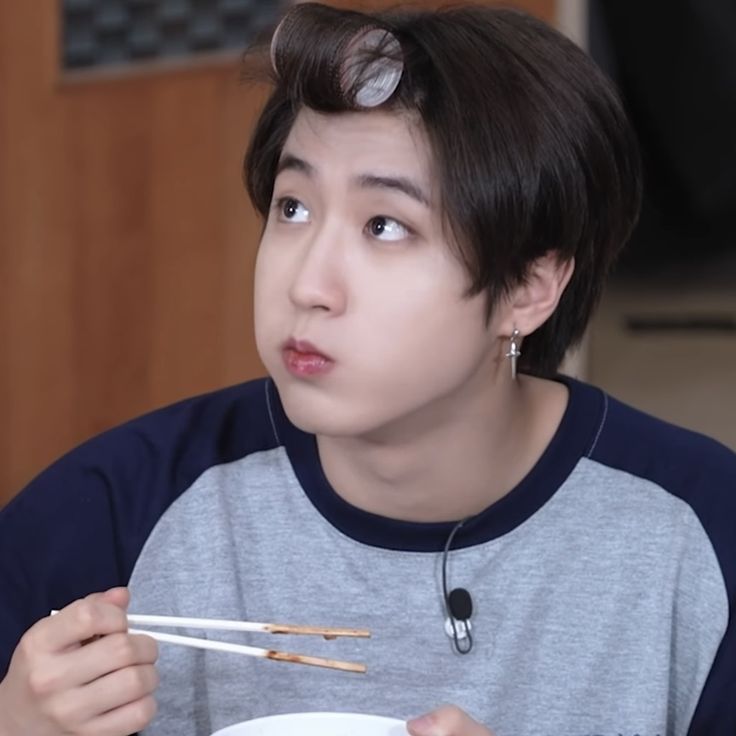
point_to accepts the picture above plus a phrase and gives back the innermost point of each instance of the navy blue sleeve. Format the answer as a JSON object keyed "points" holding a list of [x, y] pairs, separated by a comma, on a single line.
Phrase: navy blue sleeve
{"points": [[702, 473], [714, 501], [80, 525]]}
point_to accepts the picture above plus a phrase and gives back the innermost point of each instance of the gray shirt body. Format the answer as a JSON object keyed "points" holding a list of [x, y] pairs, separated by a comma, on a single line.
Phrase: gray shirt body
{"points": [[600, 603]]}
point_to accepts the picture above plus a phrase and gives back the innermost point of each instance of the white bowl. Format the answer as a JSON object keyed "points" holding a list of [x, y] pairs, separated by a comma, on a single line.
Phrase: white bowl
{"points": [[317, 724]]}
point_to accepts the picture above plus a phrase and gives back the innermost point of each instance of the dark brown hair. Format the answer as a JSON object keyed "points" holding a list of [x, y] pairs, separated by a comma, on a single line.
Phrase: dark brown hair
{"points": [[531, 145]]}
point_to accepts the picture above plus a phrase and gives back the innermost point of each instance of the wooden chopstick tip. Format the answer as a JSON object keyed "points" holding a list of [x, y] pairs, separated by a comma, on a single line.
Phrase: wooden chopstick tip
{"points": [[333, 664], [324, 631]]}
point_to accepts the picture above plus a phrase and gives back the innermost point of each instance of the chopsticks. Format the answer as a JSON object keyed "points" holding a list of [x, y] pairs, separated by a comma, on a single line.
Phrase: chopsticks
{"points": [[227, 625]]}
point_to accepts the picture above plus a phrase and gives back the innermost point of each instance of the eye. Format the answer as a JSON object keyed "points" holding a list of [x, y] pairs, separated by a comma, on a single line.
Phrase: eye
{"points": [[291, 210], [386, 228]]}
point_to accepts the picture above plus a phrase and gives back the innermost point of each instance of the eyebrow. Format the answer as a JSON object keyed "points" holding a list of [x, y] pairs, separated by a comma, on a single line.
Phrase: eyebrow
{"points": [[402, 184], [288, 162], [396, 183]]}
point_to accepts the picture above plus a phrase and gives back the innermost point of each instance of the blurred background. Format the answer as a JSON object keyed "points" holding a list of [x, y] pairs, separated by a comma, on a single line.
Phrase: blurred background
{"points": [[127, 240]]}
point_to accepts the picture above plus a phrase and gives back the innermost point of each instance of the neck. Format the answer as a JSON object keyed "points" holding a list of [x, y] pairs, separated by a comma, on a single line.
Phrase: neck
{"points": [[448, 463]]}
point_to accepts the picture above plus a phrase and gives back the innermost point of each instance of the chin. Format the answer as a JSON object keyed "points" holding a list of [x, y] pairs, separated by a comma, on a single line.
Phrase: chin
{"points": [[316, 423], [319, 413]]}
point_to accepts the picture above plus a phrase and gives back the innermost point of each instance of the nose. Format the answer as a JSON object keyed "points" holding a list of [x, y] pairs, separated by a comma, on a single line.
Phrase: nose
{"points": [[319, 281]]}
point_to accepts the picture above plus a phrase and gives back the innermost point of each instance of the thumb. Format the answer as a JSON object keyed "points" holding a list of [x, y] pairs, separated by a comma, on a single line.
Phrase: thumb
{"points": [[119, 597], [449, 720]]}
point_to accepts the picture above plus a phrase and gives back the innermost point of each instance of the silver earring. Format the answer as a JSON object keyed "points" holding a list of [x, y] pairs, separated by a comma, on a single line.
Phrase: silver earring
{"points": [[514, 353]]}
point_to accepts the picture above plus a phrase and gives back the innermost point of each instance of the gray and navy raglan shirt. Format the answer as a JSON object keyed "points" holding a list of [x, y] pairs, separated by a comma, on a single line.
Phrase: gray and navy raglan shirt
{"points": [[604, 584]]}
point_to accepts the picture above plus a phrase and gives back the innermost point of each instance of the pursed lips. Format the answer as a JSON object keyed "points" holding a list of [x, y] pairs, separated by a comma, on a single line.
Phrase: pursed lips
{"points": [[303, 358]]}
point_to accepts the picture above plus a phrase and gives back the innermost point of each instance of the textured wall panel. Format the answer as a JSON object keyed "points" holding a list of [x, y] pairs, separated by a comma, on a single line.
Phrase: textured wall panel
{"points": [[98, 32]]}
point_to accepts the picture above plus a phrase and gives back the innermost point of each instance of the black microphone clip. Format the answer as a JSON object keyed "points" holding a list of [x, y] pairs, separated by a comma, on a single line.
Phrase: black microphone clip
{"points": [[460, 609], [458, 604]]}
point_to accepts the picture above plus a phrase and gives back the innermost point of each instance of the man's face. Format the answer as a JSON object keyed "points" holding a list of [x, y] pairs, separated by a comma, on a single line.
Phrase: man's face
{"points": [[360, 309]]}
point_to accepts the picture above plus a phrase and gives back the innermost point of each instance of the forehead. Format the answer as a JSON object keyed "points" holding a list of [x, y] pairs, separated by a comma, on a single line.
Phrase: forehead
{"points": [[351, 142]]}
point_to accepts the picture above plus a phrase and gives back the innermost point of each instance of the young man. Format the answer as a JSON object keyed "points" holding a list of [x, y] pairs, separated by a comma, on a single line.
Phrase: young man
{"points": [[443, 195]]}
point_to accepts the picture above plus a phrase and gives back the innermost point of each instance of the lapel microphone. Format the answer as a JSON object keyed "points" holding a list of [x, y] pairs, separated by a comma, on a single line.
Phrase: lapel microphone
{"points": [[458, 604]]}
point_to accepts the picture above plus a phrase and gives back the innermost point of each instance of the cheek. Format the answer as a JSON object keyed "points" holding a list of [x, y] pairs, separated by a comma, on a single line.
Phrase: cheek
{"points": [[428, 306], [265, 285], [442, 334], [269, 274], [260, 278]]}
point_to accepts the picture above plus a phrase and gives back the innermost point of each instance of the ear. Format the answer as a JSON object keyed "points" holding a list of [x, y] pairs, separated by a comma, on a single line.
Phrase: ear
{"points": [[532, 303]]}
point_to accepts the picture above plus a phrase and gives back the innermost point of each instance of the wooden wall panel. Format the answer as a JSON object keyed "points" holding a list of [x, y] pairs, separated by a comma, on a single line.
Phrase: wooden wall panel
{"points": [[126, 241], [126, 244], [36, 323]]}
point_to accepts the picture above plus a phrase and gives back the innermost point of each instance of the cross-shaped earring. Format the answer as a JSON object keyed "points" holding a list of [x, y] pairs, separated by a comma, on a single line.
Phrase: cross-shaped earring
{"points": [[514, 352]]}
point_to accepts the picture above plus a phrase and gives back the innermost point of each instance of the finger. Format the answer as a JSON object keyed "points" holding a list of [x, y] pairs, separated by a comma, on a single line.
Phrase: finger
{"points": [[78, 622], [68, 671], [122, 687], [122, 721], [449, 720], [101, 657], [80, 705]]}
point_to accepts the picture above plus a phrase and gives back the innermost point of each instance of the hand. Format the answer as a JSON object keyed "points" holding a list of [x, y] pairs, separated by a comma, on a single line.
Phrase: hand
{"points": [[80, 673], [448, 720]]}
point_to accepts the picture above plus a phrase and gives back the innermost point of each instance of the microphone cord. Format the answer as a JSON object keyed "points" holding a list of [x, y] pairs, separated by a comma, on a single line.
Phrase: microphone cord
{"points": [[465, 648]]}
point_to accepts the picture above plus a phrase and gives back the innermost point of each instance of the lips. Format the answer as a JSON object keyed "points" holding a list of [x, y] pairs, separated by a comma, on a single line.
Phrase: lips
{"points": [[304, 359]]}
